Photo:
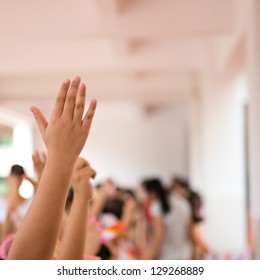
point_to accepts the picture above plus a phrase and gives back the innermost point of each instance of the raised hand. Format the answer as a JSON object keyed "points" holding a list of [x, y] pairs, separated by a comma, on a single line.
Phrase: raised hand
{"points": [[81, 176], [106, 191], [68, 129], [108, 188], [64, 136], [39, 161], [73, 241]]}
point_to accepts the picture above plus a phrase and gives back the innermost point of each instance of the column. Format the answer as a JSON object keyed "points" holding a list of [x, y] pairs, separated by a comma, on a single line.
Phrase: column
{"points": [[254, 117]]}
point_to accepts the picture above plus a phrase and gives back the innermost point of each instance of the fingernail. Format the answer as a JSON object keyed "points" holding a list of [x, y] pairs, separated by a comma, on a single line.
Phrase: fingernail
{"points": [[94, 102], [77, 79], [82, 87], [66, 82], [32, 109]]}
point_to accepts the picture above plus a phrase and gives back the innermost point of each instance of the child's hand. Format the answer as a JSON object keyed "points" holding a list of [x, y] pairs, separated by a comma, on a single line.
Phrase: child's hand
{"points": [[39, 161], [108, 188], [66, 133], [82, 174]]}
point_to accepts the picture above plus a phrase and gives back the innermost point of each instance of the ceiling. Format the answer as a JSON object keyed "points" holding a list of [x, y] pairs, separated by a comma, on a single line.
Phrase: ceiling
{"points": [[145, 51]]}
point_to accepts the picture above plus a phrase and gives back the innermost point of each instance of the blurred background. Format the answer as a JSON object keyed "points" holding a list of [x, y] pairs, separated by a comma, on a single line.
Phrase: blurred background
{"points": [[178, 95]]}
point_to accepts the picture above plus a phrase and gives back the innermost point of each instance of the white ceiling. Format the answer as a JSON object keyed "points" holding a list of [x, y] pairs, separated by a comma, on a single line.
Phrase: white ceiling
{"points": [[146, 51]]}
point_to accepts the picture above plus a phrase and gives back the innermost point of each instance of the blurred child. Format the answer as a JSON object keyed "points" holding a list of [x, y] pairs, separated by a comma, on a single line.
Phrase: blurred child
{"points": [[155, 206]]}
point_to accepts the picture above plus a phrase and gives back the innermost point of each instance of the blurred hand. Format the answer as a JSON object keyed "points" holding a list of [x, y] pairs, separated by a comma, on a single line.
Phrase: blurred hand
{"points": [[81, 177], [108, 188], [39, 161]]}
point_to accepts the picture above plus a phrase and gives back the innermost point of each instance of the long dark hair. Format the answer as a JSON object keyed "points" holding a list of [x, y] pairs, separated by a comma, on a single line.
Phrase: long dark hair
{"points": [[155, 186]]}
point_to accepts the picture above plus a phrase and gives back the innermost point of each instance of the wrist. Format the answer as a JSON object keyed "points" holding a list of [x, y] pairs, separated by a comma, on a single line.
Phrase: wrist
{"points": [[79, 198], [63, 157], [60, 164], [80, 203]]}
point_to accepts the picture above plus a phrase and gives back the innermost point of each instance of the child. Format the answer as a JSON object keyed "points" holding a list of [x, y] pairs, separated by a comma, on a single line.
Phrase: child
{"points": [[155, 206], [14, 207], [64, 136]]}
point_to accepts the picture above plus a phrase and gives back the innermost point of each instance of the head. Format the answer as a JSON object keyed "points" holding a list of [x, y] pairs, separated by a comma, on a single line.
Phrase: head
{"points": [[181, 186], [114, 206], [129, 195], [152, 189], [16, 176], [196, 206]]}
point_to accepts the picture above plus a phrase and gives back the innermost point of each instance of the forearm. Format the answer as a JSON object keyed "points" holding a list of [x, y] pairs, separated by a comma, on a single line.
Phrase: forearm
{"points": [[127, 217], [73, 242], [98, 205], [154, 246], [37, 236]]}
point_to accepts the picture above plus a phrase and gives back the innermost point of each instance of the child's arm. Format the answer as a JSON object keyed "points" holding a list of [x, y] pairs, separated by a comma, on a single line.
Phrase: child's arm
{"points": [[93, 237], [64, 136], [73, 241], [129, 211], [152, 252], [105, 192]]}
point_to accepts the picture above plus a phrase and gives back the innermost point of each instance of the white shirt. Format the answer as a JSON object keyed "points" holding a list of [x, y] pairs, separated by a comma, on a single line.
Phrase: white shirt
{"points": [[19, 212], [3, 209], [177, 245]]}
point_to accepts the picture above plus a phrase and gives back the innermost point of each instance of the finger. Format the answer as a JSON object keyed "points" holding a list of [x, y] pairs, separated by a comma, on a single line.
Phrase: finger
{"points": [[36, 160], [80, 104], [89, 115], [80, 163], [93, 174], [71, 99], [40, 120], [34, 156], [44, 157], [60, 100], [87, 171]]}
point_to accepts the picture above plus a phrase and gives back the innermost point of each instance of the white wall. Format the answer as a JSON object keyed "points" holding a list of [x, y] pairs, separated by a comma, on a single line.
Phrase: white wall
{"points": [[224, 168], [127, 144], [21, 149]]}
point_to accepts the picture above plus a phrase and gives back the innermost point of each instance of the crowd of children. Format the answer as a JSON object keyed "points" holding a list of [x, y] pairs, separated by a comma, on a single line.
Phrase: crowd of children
{"points": [[68, 218]]}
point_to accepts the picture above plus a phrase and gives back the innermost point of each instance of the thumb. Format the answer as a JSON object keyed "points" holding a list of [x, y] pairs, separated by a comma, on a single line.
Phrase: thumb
{"points": [[40, 120]]}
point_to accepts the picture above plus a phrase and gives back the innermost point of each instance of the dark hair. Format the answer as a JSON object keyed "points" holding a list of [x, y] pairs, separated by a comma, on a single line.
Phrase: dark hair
{"points": [[155, 186], [17, 170], [69, 199], [130, 193], [196, 205], [104, 253], [114, 206], [181, 182]]}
